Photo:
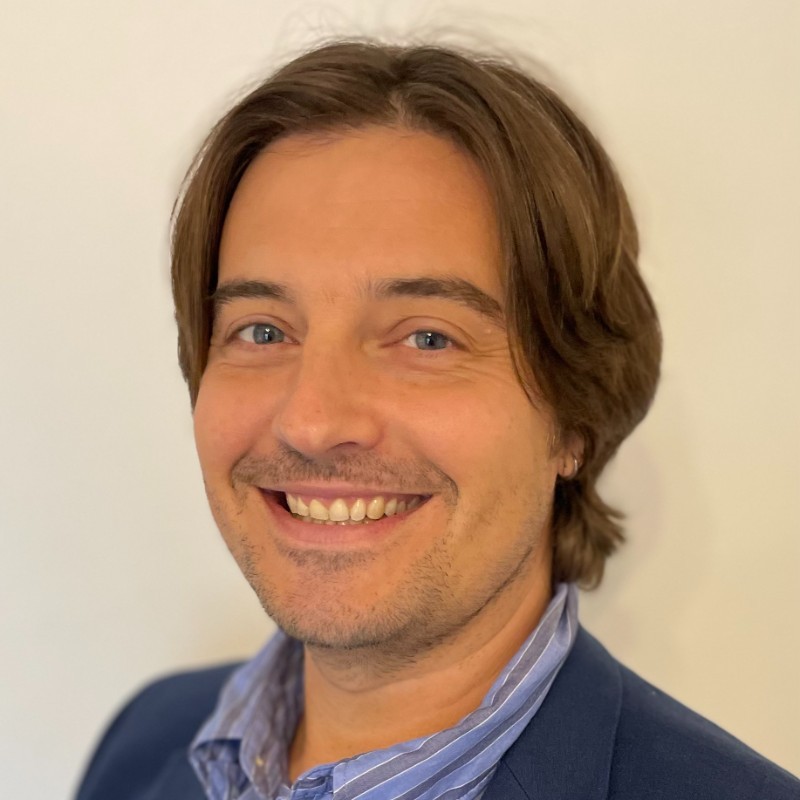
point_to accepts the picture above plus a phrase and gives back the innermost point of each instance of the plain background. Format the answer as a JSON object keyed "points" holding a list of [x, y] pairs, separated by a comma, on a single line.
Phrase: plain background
{"points": [[111, 569]]}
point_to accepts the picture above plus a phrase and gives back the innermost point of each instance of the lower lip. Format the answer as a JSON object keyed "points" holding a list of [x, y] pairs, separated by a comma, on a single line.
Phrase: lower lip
{"points": [[323, 536]]}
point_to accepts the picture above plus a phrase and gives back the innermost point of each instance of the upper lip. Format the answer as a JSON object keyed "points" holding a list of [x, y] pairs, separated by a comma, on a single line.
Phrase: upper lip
{"points": [[334, 490]]}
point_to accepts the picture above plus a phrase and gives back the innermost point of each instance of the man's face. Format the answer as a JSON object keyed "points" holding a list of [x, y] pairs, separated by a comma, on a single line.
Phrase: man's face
{"points": [[356, 354]]}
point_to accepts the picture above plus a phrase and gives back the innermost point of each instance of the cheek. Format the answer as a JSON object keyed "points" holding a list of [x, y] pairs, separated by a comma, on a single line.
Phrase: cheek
{"points": [[227, 420], [479, 435]]}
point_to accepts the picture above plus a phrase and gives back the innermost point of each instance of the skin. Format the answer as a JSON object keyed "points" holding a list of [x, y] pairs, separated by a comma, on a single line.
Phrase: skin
{"points": [[404, 631]]}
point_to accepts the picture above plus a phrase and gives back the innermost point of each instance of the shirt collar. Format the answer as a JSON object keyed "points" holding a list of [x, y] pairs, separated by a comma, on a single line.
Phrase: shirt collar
{"points": [[247, 738], [254, 720]]}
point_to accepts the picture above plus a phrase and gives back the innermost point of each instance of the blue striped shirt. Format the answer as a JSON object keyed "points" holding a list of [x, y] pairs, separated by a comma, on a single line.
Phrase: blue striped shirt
{"points": [[241, 752]]}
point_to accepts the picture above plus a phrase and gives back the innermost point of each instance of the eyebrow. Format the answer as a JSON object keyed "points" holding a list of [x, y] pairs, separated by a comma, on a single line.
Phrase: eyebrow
{"points": [[233, 290], [454, 289]]}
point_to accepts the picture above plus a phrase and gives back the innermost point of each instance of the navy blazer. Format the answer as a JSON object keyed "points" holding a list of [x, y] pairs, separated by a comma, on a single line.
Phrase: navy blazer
{"points": [[602, 733]]}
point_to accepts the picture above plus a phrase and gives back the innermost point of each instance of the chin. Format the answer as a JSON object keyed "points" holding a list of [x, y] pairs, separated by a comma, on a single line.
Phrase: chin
{"points": [[325, 628], [332, 619]]}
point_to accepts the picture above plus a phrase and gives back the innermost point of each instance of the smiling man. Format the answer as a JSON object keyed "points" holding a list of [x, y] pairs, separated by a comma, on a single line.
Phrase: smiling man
{"points": [[414, 334]]}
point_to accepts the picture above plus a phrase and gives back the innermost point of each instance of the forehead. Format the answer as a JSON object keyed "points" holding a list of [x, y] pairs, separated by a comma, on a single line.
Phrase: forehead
{"points": [[360, 206]]}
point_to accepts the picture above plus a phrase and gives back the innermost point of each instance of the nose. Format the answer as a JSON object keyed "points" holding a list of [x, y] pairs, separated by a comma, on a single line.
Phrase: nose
{"points": [[328, 403]]}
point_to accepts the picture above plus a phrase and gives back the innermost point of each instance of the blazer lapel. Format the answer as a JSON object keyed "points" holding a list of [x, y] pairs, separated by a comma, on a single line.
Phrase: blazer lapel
{"points": [[565, 752], [177, 781]]}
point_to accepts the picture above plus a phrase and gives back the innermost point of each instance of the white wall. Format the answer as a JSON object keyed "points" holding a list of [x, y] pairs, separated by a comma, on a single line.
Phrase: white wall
{"points": [[111, 570]]}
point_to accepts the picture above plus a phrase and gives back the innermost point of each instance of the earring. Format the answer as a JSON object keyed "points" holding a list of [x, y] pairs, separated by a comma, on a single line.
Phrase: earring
{"points": [[576, 465]]}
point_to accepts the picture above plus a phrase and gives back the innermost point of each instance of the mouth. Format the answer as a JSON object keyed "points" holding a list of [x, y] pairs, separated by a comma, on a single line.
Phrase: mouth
{"points": [[347, 510]]}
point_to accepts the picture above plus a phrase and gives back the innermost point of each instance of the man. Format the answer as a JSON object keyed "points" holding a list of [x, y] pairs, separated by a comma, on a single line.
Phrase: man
{"points": [[414, 333]]}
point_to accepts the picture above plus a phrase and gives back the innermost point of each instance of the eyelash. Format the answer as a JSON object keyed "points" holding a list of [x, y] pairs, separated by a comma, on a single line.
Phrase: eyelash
{"points": [[423, 331], [451, 342], [237, 334]]}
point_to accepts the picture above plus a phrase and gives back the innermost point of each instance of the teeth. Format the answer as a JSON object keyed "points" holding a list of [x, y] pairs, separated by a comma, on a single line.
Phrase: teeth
{"points": [[317, 510], [358, 511], [375, 508], [337, 513]]}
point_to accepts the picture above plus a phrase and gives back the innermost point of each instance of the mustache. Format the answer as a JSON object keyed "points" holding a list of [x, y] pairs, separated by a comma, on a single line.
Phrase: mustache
{"points": [[286, 465]]}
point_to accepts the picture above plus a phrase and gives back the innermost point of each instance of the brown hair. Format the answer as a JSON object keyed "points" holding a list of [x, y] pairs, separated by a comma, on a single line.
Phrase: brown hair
{"points": [[583, 329]]}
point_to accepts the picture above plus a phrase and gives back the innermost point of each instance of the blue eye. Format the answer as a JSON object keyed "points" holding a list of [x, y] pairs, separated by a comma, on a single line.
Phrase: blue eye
{"points": [[262, 333], [430, 340]]}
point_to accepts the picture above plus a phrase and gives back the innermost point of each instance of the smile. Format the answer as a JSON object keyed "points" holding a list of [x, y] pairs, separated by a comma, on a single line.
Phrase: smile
{"points": [[348, 511]]}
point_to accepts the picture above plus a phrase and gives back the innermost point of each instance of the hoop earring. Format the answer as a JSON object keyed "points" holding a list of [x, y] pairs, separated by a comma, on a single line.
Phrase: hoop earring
{"points": [[576, 465]]}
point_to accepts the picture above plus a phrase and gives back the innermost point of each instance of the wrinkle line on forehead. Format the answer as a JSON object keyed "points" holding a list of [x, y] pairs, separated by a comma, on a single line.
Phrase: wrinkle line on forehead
{"points": [[449, 287]]}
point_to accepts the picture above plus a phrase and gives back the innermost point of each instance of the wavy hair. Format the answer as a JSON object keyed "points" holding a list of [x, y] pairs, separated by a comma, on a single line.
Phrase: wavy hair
{"points": [[583, 329]]}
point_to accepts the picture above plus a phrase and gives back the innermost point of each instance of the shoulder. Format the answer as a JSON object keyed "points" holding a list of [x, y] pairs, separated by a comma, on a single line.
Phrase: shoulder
{"points": [[665, 750], [160, 720], [603, 733]]}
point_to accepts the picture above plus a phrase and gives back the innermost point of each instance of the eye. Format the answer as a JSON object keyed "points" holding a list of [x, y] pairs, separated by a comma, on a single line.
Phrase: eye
{"points": [[429, 340], [261, 333]]}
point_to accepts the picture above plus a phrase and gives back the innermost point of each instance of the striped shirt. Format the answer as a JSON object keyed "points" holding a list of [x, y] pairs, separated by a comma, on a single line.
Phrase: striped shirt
{"points": [[241, 752]]}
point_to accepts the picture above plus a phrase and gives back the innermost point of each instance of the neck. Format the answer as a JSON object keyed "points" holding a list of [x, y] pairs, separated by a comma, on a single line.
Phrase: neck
{"points": [[358, 702]]}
